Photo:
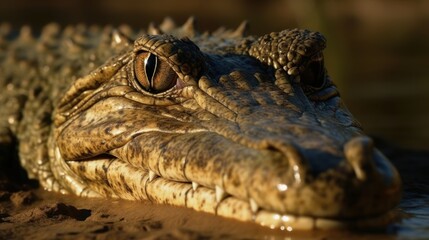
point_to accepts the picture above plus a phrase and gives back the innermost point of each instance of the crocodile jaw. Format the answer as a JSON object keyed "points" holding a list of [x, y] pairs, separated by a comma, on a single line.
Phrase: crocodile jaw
{"points": [[133, 153], [319, 209], [263, 151]]}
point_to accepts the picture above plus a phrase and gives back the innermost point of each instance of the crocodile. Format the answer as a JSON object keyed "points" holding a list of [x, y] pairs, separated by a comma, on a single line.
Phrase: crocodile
{"points": [[245, 127]]}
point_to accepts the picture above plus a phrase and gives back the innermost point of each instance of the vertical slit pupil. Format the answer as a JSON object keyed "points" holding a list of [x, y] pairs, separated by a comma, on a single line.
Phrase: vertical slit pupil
{"points": [[150, 66]]}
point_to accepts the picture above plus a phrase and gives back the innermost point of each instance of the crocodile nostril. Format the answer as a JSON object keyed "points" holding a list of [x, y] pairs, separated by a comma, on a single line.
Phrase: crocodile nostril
{"points": [[359, 152], [297, 162]]}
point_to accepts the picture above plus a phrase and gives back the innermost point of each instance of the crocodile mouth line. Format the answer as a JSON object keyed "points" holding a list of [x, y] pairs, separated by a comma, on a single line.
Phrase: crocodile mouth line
{"points": [[127, 182]]}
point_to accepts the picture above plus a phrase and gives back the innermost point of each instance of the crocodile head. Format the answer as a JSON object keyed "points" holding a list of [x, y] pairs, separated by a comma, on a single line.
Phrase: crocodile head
{"points": [[248, 128]]}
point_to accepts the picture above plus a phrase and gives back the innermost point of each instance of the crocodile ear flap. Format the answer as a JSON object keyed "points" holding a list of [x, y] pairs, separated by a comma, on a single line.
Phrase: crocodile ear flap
{"points": [[119, 39]]}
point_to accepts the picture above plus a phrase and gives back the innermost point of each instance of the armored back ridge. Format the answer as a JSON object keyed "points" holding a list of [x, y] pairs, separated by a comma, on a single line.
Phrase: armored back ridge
{"points": [[243, 127]]}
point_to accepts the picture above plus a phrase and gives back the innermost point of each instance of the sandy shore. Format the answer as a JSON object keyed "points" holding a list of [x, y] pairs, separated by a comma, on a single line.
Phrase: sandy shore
{"points": [[28, 212]]}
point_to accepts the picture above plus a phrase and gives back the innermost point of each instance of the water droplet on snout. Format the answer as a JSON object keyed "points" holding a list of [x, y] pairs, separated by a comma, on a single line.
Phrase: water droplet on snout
{"points": [[282, 187]]}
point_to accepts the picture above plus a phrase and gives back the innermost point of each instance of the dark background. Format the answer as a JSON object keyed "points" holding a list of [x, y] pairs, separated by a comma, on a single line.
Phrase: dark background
{"points": [[378, 51]]}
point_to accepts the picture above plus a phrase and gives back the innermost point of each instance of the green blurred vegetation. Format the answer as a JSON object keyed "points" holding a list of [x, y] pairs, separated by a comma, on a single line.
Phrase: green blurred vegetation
{"points": [[378, 51]]}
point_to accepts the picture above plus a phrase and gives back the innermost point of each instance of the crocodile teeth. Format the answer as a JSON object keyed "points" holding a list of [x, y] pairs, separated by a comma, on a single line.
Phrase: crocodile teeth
{"points": [[220, 194], [253, 205], [152, 175], [195, 185]]}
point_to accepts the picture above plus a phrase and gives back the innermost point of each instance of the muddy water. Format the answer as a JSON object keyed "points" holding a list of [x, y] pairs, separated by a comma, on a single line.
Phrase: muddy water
{"points": [[414, 168]]}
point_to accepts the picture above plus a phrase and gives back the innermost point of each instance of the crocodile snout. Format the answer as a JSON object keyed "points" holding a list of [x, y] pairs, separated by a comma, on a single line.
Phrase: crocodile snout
{"points": [[359, 153]]}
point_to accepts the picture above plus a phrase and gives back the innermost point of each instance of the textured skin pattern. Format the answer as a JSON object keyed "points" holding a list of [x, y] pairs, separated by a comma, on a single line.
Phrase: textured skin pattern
{"points": [[252, 128]]}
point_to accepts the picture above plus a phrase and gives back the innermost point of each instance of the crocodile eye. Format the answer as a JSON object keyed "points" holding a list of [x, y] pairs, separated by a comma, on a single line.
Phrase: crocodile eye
{"points": [[152, 74], [314, 75]]}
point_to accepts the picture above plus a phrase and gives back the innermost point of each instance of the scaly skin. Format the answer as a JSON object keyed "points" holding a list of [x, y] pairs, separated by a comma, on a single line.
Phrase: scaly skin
{"points": [[243, 127]]}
